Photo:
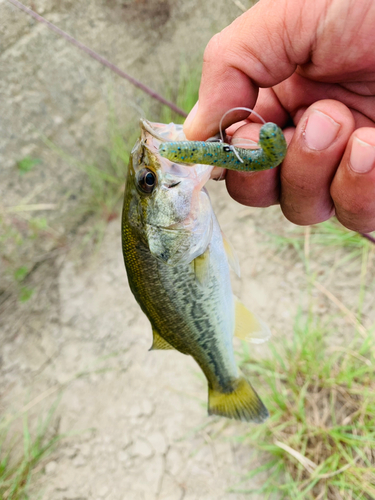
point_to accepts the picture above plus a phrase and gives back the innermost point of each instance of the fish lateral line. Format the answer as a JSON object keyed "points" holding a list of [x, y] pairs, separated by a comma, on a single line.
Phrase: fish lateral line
{"points": [[271, 152]]}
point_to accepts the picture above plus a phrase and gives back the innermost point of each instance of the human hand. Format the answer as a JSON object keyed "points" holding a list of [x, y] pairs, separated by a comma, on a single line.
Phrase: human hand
{"points": [[315, 64]]}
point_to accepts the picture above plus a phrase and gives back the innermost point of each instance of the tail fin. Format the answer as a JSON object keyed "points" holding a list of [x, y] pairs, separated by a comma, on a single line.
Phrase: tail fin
{"points": [[242, 404]]}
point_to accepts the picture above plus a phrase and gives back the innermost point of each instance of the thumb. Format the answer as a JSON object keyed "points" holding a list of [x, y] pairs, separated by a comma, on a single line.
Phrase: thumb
{"points": [[259, 49]]}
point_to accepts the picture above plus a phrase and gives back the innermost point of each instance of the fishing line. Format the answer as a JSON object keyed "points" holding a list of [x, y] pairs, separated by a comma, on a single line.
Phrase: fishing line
{"points": [[102, 60], [239, 108]]}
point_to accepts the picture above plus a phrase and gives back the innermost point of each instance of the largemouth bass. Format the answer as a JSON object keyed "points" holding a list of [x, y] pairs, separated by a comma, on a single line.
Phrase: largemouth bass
{"points": [[177, 264]]}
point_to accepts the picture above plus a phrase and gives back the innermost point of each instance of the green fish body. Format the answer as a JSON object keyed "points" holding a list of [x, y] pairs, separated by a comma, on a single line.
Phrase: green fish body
{"points": [[177, 266]]}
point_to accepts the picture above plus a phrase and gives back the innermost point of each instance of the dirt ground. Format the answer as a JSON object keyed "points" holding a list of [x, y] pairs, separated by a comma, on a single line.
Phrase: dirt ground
{"points": [[135, 422]]}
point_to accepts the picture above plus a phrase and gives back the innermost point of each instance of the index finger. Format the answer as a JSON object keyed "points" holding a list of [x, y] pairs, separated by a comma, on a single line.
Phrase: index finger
{"points": [[256, 50]]}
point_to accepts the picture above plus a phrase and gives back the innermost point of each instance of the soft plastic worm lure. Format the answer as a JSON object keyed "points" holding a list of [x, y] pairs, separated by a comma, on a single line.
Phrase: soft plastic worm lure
{"points": [[271, 152]]}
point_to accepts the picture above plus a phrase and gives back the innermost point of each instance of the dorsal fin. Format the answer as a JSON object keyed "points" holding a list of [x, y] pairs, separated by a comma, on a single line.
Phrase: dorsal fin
{"points": [[159, 343], [248, 327]]}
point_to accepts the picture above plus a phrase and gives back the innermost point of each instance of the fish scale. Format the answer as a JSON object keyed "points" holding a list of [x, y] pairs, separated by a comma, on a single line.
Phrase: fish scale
{"points": [[186, 304]]}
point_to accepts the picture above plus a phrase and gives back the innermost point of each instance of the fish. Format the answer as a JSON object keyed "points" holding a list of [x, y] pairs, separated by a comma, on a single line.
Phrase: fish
{"points": [[177, 261], [270, 152]]}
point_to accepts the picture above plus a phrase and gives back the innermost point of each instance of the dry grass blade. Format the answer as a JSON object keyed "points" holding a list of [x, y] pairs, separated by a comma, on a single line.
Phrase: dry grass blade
{"points": [[307, 242], [40, 398], [240, 5], [339, 471], [309, 465], [351, 353], [31, 208], [349, 315]]}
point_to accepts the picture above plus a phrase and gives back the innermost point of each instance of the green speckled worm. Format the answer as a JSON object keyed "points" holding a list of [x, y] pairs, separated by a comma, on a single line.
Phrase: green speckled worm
{"points": [[272, 151]]}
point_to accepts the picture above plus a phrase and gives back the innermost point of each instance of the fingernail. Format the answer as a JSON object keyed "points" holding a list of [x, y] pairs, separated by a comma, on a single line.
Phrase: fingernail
{"points": [[245, 143], [362, 156], [191, 115], [321, 130]]}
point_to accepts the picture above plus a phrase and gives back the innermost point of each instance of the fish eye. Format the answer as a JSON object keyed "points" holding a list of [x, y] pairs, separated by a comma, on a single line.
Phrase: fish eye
{"points": [[147, 181]]}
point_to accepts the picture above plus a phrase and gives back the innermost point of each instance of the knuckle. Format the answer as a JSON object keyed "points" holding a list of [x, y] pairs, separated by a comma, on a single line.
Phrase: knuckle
{"points": [[355, 202], [306, 215], [299, 184], [356, 213], [353, 196], [213, 49], [220, 51], [360, 225]]}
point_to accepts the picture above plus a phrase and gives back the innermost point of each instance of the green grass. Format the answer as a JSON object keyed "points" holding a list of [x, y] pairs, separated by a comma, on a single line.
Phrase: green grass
{"points": [[27, 164], [15, 231], [329, 235], [21, 459], [184, 94], [319, 442]]}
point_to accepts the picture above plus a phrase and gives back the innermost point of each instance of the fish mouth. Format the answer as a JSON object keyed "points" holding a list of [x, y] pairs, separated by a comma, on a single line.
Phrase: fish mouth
{"points": [[174, 184], [173, 227], [176, 226], [162, 132], [146, 125], [155, 133]]}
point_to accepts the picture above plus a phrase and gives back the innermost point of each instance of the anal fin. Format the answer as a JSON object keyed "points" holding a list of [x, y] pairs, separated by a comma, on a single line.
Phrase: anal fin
{"points": [[159, 343], [248, 327], [231, 255]]}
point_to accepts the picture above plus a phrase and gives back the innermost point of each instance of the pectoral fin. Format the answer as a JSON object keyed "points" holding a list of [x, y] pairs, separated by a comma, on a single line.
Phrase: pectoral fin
{"points": [[201, 267], [248, 327], [159, 343], [231, 255]]}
